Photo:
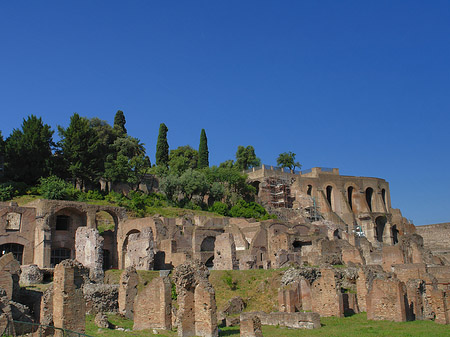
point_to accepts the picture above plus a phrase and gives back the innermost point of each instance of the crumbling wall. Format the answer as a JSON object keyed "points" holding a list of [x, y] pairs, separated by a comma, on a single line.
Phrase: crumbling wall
{"points": [[197, 310], [225, 252], [153, 306], [140, 250], [327, 299]]}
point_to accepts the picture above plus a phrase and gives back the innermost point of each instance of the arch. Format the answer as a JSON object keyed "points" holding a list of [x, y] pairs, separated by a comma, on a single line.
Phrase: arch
{"points": [[383, 196], [15, 248], [380, 223], [105, 221], [58, 255], [337, 234], [208, 244], [329, 191], [256, 184], [125, 246], [395, 232], [309, 190], [369, 194], [302, 229], [210, 262], [350, 196]]}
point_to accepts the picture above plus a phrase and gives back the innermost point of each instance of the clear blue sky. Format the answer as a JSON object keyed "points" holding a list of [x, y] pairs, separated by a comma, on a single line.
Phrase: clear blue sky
{"points": [[359, 85]]}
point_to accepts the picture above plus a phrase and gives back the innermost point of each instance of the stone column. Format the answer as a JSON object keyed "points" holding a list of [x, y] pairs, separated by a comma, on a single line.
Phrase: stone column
{"points": [[69, 308]]}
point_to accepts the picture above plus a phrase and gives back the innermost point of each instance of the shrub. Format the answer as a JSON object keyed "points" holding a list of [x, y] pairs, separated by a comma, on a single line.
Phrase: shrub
{"points": [[220, 208], [6, 192], [55, 188], [227, 278]]}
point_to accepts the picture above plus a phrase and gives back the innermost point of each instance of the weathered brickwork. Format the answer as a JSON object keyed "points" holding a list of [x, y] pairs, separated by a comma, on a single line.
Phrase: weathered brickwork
{"points": [[225, 252], [153, 306], [326, 298], [128, 283], [386, 300]]}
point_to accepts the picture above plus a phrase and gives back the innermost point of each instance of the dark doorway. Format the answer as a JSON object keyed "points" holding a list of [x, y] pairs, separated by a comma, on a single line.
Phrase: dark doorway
{"points": [[380, 224], [208, 244], [394, 234], [349, 196], [369, 193], [329, 191]]}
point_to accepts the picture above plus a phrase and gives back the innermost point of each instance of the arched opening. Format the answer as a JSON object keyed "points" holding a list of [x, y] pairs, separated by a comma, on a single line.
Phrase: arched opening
{"points": [[208, 244], [383, 196], [309, 190], [256, 184], [380, 223], [369, 193], [210, 262], [59, 255], [14, 248], [349, 196], [297, 245], [336, 234], [329, 196], [104, 221], [394, 234], [125, 262]]}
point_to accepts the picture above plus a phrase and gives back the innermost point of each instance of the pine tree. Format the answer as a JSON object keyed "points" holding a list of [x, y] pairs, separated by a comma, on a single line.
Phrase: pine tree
{"points": [[203, 153], [119, 123], [162, 147]]}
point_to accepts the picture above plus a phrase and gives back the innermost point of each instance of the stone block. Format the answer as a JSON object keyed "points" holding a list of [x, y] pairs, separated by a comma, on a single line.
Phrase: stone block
{"points": [[128, 283], [296, 320], [140, 250], [225, 252], [89, 251], [250, 326], [31, 274]]}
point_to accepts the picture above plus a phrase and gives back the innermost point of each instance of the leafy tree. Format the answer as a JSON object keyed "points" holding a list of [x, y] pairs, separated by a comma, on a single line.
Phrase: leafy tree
{"points": [[170, 186], [246, 158], [287, 159], [227, 164], [182, 158], [119, 123], [28, 152], [162, 147], [79, 147], [203, 153], [193, 183]]}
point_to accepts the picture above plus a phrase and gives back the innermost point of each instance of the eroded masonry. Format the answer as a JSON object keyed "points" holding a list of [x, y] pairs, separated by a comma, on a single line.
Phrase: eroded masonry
{"points": [[324, 219]]}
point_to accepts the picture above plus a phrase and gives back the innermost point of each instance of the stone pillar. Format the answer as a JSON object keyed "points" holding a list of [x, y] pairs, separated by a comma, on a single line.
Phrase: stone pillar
{"points": [[327, 299], [225, 252], [251, 327], [90, 219], [186, 313], [205, 310], [68, 301], [153, 306], [386, 300], [129, 280], [42, 242], [289, 298], [89, 251]]}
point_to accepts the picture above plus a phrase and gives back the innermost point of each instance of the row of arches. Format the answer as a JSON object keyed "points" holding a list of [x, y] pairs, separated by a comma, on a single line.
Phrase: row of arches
{"points": [[350, 191]]}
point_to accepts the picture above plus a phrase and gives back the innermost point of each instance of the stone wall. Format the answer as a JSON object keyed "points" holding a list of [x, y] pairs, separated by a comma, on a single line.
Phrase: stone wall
{"points": [[297, 320], [326, 297], [89, 251], [140, 250], [128, 283], [386, 300], [225, 252]]}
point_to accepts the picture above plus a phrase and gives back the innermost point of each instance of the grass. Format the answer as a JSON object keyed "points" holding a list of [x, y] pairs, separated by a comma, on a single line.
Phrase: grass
{"points": [[354, 326], [258, 288]]}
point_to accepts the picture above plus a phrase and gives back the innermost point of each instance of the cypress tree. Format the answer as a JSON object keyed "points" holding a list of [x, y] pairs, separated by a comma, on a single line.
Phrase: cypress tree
{"points": [[203, 153], [162, 147], [119, 122]]}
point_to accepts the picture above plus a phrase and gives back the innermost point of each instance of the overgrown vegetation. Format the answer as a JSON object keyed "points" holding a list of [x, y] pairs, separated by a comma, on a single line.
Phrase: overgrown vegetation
{"points": [[90, 151]]}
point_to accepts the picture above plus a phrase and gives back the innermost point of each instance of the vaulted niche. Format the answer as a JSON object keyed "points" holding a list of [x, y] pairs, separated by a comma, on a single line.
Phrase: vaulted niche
{"points": [[349, 196], [380, 224], [208, 244], [383, 195], [297, 245], [394, 234], [309, 190], [369, 194], [329, 194]]}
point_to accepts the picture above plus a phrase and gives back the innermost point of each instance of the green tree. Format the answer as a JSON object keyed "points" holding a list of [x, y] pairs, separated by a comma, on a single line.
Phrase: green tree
{"points": [[287, 159], [170, 186], [119, 123], [246, 158], [162, 147], [79, 145], [28, 152], [182, 158], [193, 183], [203, 153]]}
